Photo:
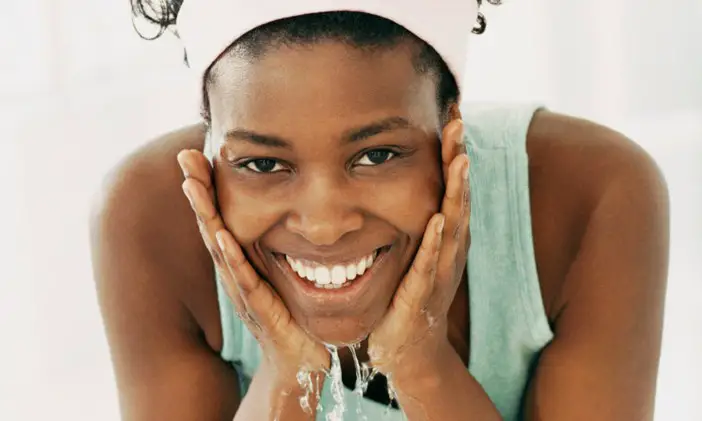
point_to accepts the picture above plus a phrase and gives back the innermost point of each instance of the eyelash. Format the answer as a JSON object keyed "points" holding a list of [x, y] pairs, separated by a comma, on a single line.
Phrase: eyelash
{"points": [[247, 164]]}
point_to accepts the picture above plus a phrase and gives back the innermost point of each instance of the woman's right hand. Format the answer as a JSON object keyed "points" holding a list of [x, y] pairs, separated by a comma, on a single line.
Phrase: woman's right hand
{"points": [[286, 348]]}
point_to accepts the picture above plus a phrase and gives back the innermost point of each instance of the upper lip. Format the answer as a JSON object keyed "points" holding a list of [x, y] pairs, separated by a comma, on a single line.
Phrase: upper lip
{"points": [[329, 259]]}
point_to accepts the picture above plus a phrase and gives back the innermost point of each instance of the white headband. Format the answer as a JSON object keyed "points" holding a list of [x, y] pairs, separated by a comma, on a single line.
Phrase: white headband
{"points": [[208, 27]]}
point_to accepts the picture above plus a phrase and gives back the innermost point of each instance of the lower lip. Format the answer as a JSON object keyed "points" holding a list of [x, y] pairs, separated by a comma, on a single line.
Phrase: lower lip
{"points": [[346, 291]]}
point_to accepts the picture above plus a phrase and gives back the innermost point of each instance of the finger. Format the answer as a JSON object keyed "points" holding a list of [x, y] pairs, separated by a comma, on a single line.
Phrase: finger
{"points": [[203, 206], [226, 279], [230, 288], [197, 170], [229, 281], [452, 144], [418, 284], [455, 207], [209, 220], [261, 302], [194, 165], [454, 202]]}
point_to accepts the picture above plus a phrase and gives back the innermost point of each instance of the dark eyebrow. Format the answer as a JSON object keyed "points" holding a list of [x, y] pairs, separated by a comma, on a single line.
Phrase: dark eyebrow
{"points": [[257, 138], [378, 127], [349, 136]]}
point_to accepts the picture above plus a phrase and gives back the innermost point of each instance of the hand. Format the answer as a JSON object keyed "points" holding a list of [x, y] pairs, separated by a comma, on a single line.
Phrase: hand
{"points": [[286, 347], [413, 334]]}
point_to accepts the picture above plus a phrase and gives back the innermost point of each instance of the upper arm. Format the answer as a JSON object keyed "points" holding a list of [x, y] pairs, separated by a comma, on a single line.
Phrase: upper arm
{"points": [[163, 365], [603, 361]]}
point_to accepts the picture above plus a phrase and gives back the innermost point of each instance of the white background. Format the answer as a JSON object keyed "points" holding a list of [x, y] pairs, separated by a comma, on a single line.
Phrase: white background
{"points": [[78, 90]]}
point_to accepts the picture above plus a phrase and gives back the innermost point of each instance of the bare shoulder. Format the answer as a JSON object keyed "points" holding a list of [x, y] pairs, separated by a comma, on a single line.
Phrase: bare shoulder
{"points": [[601, 231], [588, 154], [156, 290], [142, 197], [573, 165]]}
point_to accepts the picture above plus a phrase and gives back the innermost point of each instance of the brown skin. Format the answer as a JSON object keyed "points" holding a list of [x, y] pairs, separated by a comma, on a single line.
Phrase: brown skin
{"points": [[599, 215], [410, 338], [321, 203]]}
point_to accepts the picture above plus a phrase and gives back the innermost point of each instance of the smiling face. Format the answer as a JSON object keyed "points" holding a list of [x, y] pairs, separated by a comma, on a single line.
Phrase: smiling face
{"points": [[328, 168]]}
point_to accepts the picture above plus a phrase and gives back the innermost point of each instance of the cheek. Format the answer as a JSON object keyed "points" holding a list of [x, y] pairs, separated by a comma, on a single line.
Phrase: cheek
{"points": [[410, 200], [247, 213], [409, 208]]}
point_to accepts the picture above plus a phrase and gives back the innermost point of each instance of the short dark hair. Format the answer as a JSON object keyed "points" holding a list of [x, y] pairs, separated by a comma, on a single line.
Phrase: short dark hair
{"points": [[357, 29]]}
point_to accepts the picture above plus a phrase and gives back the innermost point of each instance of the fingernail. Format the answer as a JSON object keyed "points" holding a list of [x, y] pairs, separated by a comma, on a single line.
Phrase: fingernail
{"points": [[220, 241], [440, 224], [181, 163]]}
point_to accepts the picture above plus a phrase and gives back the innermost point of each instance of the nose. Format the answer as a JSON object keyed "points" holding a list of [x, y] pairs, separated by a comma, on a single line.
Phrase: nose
{"points": [[323, 211]]}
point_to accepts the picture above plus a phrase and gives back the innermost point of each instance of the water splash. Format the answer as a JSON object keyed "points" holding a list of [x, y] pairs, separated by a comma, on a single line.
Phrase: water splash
{"points": [[392, 395], [336, 385], [364, 375], [304, 379], [318, 395]]}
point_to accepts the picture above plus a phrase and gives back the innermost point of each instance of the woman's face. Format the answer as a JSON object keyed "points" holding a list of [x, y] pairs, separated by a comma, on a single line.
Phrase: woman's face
{"points": [[327, 169]]}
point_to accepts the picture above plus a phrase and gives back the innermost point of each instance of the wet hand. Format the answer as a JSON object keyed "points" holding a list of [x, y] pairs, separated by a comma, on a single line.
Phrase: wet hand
{"points": [[412, 336], [286, 347]]}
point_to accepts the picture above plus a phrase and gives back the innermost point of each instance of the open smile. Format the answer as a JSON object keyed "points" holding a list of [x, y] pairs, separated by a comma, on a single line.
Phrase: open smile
{"points": [[325, 280]]}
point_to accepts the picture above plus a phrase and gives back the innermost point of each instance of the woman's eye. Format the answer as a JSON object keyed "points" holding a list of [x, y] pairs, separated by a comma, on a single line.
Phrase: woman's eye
{"points": [[263, 165], [376, 157]]}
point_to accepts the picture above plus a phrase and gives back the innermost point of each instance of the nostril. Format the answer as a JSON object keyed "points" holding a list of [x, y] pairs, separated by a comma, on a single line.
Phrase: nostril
{"points": [[323, 222]]}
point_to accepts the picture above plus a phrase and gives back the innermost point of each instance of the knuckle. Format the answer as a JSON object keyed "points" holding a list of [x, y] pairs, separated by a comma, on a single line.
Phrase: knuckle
{"points": [[276, 320], [215, 254], [254, 292], [456, 232], [402, 302], [419, 267], [250, 321], [237, 262], [452, 195]]}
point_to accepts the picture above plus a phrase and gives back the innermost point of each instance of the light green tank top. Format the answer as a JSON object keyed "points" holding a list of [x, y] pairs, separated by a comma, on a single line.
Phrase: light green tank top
{"points": [[508, 323]]}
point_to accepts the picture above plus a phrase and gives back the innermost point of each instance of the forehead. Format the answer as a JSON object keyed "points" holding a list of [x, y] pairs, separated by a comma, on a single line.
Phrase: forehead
{"points": [[327, 81]]}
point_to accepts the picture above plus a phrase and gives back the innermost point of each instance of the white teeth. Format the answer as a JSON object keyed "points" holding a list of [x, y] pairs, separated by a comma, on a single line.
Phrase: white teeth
{"points": [[361, 267], [351, 272], [322, 275], [338, 275], [330, 277]]}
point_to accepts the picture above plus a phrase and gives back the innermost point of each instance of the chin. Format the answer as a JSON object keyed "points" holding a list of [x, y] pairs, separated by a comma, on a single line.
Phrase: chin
{"points": [[339, 331]]}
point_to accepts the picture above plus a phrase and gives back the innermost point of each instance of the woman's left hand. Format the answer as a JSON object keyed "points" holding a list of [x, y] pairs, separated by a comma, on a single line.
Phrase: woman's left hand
{"points": [[412, 337]]}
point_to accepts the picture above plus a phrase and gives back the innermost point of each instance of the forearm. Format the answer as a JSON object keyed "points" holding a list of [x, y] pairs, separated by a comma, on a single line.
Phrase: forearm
{"points": [[446, 392], [271, 398]]}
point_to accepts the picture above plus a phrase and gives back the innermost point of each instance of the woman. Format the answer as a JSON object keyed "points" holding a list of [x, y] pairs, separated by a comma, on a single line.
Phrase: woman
{"points": [[505, 263]]}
